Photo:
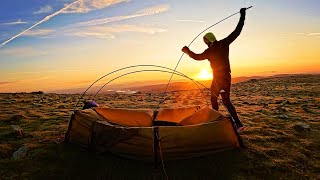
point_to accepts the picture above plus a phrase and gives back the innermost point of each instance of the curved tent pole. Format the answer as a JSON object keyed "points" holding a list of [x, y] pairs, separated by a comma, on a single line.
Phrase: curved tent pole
{"points": [[154, 70], [174, 72], [178, 73], [183, 75], [124, 68]]}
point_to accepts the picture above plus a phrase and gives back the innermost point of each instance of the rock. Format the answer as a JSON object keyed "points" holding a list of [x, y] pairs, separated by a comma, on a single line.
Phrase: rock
{"points": [[253, 80], [301, 126], [37, 105], [261, 102], [17, 130], [263, 111], [16, 118], [37, 92], [280, 109], [286, 102], [283, 116], [62, 106], [305, 107], [20, 153]]}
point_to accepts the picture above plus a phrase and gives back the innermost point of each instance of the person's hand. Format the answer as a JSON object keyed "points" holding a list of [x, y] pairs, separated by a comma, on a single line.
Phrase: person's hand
{"points": [[243, 11], [185, 49]]}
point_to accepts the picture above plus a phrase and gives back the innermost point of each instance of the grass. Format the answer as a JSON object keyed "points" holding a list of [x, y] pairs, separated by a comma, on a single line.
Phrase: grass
{"points": [[274, 150]]}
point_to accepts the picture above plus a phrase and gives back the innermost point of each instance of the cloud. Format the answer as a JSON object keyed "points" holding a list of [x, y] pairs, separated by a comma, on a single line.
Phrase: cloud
{"points": [[154, 10], [97, 28], [40, 22], [145, 12], [314, 34], [85, 6], [132, 28], [7, 83], [92, 34], [15, 22], [109, 32], [23, 81], [22, 52], [96, 4], [44, 9], [190, 20], [39, 32]]}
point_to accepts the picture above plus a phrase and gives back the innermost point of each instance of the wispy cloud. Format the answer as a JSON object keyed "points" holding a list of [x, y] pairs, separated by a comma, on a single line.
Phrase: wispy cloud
{"points": [[308, 34], [314, 34], [130, 28], [15, 22], [39, 32], [102, 33], [85, 6], [38, 23], [23, 81], [88, 34], [145, 12], [109, 32], [97, 28], [7, 83], [44, 9], [22, 52], [190, 20]]}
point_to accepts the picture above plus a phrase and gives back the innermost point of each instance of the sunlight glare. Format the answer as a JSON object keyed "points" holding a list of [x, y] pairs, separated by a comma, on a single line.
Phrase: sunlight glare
{"points": [[204, 74]]}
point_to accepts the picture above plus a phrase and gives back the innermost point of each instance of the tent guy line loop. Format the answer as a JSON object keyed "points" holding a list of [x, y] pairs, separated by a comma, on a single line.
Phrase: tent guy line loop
{"points": [[165, 91]]}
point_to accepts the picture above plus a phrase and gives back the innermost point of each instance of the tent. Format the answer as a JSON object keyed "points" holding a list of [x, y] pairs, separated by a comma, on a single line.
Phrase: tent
{"points": [[143, 134]]}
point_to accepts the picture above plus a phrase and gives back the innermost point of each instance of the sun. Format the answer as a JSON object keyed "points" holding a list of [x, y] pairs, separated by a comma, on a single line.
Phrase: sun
{"points": [[204, 74]]}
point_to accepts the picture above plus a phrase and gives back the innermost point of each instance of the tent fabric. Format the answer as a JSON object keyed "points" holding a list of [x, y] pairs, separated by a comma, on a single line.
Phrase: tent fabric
{"points": [[130, 133], [135, 143], [193, 141], [127, 117], [175, 115], [203, 115], [81, 127]]}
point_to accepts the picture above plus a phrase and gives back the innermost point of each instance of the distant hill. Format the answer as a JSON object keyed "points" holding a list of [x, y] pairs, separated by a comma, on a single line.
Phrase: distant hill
{"points": [[146, 87]]}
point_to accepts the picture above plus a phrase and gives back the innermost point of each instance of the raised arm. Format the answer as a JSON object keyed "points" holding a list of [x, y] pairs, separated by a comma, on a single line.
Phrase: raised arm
{"points": [[198, 57], [238, 29]]}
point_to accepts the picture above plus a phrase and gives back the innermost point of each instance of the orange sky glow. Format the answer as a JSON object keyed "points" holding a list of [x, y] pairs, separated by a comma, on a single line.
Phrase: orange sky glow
{"points": [[74, 49]]}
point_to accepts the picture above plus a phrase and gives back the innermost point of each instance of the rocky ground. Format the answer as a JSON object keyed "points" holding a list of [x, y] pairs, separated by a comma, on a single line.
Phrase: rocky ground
{"points": [[282, 139]]}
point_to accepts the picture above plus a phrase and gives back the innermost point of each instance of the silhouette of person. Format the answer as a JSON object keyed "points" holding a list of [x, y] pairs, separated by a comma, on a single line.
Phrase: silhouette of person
{"points": [[218, 55]]}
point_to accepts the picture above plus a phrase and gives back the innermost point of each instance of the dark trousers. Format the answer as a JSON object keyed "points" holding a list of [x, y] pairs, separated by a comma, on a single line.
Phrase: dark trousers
{"points": [[223, 89]]}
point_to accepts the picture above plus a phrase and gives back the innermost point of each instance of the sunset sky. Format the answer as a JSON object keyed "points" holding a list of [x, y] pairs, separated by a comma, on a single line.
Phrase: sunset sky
{"points": [[72, 43]]}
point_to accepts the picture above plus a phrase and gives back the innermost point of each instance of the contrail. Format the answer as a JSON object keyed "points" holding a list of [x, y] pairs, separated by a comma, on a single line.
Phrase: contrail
{"points": [[43, 20]]}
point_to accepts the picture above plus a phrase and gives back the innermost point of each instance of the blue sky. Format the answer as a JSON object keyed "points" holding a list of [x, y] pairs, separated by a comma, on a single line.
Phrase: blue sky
{"points": [[98, 36]]}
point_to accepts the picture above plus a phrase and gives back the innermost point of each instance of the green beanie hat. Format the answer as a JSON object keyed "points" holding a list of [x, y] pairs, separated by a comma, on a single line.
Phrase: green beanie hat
{"points": [[210, 37]]}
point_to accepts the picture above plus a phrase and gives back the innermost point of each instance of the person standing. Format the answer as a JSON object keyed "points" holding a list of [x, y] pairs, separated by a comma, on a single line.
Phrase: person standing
{"points": [[218, 55]]}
